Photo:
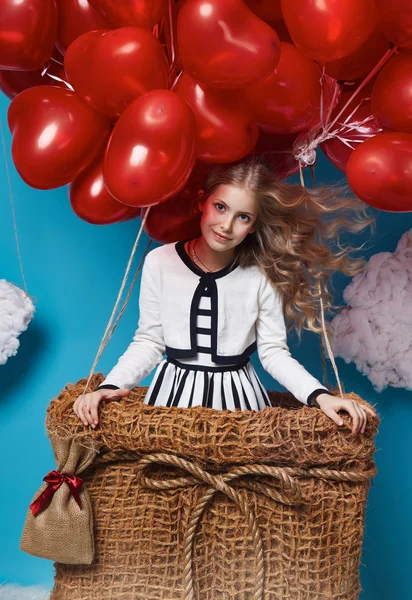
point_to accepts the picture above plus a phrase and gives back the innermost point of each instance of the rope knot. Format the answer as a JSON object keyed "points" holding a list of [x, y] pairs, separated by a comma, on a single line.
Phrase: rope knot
{"points": [[287, 490]]}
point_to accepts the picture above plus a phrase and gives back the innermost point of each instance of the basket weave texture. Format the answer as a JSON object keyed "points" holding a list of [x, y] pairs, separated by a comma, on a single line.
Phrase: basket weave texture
{"points": [[204, 504]]}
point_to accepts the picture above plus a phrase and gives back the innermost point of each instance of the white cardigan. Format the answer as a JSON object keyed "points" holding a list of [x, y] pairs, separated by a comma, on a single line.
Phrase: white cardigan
{"points": [[247, 315]]}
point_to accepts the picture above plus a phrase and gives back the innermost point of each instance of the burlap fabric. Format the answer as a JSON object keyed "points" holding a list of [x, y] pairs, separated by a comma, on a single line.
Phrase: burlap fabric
{"points": [[63, 530], [218, 505]]}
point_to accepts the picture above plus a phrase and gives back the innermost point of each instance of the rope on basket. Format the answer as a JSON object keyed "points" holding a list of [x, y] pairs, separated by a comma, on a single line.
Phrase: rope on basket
{"points": [[290, 493]]}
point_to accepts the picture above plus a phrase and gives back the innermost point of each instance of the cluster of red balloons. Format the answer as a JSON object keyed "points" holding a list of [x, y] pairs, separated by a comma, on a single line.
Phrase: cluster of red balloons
{"points": [[132, 102]]}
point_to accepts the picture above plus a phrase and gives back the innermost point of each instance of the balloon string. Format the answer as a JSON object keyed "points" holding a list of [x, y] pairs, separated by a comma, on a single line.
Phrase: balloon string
{"points": [[14, 216], [329, 349], [306, 153], [322, 81], [109, 328], [176, 80], [380, 64], [173, 50], [57, 61], [45, 71], [346, 127], [171, 33]]}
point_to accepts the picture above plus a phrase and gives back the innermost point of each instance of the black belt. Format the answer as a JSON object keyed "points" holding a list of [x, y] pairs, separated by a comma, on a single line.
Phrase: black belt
{"points": [[222, 369]]}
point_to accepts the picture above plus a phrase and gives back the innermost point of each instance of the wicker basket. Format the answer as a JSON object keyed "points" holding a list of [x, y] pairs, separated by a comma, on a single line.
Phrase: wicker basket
{"points": [[218, 505]]}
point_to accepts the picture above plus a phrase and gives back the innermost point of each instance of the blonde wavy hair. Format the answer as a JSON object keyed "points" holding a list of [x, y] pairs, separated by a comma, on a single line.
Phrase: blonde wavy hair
{"points": [[296, 229]]}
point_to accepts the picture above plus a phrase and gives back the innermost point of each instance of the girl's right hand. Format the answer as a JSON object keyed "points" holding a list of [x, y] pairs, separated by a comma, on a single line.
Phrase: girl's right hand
{"points": [[86, 405]]}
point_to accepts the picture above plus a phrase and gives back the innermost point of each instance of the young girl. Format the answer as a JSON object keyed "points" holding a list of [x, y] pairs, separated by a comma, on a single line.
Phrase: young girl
{"points": [[209, 302]]}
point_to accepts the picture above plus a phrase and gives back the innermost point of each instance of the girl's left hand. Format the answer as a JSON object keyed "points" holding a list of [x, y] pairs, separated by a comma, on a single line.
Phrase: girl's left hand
{"points": [[331, 404]]}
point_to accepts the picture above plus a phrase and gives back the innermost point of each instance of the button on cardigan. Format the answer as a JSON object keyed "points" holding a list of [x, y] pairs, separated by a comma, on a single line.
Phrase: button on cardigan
{"points": [[246, 315]]}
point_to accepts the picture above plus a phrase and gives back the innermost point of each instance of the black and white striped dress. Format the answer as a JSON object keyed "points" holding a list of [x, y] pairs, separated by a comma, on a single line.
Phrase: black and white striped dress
{"points": [[197, 363], [198, 381]]}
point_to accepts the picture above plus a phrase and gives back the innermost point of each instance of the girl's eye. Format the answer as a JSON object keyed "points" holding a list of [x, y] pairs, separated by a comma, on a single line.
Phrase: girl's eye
{"points": [[218, 205]]}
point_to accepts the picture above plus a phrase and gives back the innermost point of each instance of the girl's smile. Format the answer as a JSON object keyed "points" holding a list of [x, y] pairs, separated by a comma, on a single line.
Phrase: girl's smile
{"points": [[221, 237]]}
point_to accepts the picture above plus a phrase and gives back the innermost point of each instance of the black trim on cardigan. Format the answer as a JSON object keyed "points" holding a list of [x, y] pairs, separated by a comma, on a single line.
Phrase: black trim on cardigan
{"points": [[108, 386], [315, 394], [207, 286], [203, 330], [179, 246]]}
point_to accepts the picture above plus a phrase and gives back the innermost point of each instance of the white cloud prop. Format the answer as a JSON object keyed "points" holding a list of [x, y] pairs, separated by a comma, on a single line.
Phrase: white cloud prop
{"points": [[16, 312], [10, 591], [375, 331]]}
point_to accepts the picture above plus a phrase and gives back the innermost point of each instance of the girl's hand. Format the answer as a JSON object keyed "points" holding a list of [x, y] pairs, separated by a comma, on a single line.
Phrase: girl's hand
{"points": [[331, 404], [86, 406]]}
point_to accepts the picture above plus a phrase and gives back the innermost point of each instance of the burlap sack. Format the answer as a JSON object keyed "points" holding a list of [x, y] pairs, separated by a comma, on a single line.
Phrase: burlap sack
{"points": [[59, 521], [220, 505]]}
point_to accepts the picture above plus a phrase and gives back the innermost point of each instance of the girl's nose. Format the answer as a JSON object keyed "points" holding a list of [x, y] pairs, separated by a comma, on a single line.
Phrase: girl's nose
{"points": [[226, 226]]}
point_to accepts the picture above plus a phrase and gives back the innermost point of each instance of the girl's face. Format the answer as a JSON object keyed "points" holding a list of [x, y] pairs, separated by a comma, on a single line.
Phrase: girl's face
{"points": [[231, 212]]}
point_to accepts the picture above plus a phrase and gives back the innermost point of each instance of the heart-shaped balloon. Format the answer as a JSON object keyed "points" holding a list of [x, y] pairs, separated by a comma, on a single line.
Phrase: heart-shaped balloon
{"points": [[288, 100], [27, 33], [75, 18], [151, 151], [110, 69], [267, 10], [395, 18], [14, 82], [226, 129], [327, 30], [279, 151], [223, 44], [392, 93], [179, 217], [55, 135], [91, 201], [379, 171], [140, 13], [361, 62]]}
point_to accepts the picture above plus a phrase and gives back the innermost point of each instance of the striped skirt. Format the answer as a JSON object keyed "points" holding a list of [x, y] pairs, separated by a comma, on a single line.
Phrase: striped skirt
{"points": [[232, 387]]}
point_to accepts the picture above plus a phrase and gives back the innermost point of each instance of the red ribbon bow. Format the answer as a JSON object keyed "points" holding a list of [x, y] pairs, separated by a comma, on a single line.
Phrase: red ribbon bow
{"points": [[55, 479]]}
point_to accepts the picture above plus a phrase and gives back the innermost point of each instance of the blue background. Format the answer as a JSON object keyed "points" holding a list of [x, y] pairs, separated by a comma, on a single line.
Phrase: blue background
{"points": [[75, 270]]}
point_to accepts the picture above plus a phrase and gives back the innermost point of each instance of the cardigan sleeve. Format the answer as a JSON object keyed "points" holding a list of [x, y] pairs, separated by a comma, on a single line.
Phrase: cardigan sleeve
{"points": [[273, 350], [147, 348]]}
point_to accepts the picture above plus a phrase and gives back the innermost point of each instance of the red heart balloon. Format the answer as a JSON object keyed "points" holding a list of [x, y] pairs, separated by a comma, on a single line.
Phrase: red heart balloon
{"points": [[223, 44], [288, 100], [139, 13], [55, 135], [279, 151], [395, 18], [225, 125], [27, 33], [328, 30], [392, 93], [75, 18], [379, 171], [267, 10], [360, 62], [179, 217], [91, 201], [110, 69], [14, 82], [152, 151]]}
